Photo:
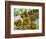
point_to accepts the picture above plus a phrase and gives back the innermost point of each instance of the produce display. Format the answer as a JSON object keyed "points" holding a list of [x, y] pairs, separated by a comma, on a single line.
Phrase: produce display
{"points": [[29, 19]]}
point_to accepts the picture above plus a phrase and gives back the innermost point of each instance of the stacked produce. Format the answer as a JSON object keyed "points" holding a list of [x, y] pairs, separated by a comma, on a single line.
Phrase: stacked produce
{"points": [[28, 19]]}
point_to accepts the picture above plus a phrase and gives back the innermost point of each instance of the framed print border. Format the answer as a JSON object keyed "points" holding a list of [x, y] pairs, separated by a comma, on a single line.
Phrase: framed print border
{"points": [[8, 19]]}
